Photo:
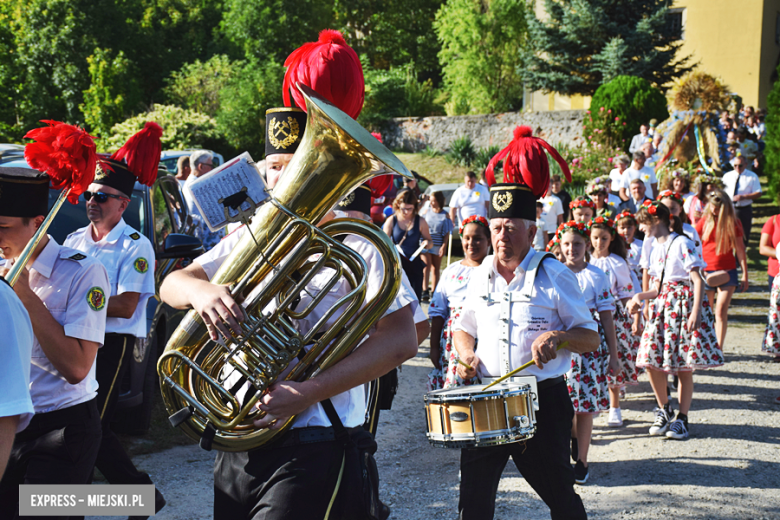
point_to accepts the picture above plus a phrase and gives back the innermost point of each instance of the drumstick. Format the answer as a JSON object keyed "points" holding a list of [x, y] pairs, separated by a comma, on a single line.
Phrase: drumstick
{"points": [[523, 367], [464, 364]]}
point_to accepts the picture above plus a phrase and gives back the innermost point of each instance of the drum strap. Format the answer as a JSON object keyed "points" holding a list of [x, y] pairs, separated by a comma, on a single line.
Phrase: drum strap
{"points": [[506, 299]]}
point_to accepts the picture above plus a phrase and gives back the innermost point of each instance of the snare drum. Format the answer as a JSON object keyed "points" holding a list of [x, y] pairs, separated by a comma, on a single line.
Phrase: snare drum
{"points": [[470, 416]]}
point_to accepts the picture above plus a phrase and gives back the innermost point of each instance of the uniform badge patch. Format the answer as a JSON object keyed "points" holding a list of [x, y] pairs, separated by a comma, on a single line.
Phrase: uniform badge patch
{"points": [[77, 256], [135, 236], [96, 298], [141, 265]]}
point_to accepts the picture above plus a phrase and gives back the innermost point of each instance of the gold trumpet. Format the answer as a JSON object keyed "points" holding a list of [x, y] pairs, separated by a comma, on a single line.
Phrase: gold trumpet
{"points": [[211, 388]]}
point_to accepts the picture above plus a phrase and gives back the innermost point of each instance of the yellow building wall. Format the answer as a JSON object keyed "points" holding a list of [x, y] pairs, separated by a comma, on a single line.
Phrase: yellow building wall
{"points": [[733, 39]]}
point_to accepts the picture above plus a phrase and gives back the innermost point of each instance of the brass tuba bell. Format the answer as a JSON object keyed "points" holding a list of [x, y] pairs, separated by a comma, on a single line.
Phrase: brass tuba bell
{"points": [[272, 264]]}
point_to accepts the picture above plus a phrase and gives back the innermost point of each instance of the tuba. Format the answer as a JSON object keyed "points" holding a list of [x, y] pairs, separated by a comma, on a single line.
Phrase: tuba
{"points": [[210, 388]]}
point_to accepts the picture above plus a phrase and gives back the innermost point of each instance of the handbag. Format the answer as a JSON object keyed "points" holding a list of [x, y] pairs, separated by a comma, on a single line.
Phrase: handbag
{"points": [[357, 495]]}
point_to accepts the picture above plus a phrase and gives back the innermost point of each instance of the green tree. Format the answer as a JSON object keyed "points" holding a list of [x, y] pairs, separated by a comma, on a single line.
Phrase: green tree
{"points": [[243, 102], [580, 44], [396, 92], [772, 139], [260, 30], [181, 129], [196, 85], [480, 54], [112, 93]]}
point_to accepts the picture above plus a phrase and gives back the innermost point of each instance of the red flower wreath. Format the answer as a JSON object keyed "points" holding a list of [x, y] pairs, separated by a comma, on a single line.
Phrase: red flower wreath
{"points": [[473, 219]]}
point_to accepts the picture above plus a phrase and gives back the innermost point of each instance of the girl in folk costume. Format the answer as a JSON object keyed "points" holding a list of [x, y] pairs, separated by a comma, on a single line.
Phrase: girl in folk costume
{"points": [[587, 379], [626, 226], [609, 254], [583, 209], [771, 342], [554, 247], [447, 300], [680, 336], [674, 202]]}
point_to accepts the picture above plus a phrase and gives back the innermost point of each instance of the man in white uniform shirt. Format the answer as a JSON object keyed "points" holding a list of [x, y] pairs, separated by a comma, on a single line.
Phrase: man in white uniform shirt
{"points": [[128, 257], [552, 211], [743, 186], [638, 170], [65, 294], [469, 199], [523, 306], [16, 408]]}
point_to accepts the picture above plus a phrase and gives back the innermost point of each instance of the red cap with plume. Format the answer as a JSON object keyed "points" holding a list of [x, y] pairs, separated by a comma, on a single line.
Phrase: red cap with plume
{"points": [[330, 67], [379, 185], [526, 162], [142, 153], [64, 152]]}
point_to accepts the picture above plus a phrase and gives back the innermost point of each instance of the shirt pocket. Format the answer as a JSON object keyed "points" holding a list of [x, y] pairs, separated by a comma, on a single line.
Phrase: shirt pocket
{"points": [[533, 320]]}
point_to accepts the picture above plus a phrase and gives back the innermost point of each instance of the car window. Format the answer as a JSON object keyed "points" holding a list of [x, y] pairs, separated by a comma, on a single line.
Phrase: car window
{"points": [[170, 164], [177, 208], [162, 219], [72, 217]]}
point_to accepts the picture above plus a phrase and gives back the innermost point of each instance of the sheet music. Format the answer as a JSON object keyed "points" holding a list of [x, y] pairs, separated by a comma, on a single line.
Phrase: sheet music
{"points": [[222, 182]]}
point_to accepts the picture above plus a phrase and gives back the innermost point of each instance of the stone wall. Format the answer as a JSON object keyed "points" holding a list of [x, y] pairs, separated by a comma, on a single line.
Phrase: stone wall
{"points": [[414, 134]]}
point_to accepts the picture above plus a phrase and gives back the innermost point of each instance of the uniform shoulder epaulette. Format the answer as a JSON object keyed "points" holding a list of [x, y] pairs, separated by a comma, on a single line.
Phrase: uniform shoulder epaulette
{"points": [[77, 257], [135, 236]]}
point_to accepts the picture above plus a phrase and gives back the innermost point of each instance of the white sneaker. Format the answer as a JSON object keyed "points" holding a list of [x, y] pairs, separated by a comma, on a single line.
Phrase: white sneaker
{"points": [[615, 418]]}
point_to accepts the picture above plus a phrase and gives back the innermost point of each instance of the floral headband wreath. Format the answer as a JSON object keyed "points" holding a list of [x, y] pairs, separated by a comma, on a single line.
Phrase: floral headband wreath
{"points": [[679, 174], [651, 206], [596, 186], [555, 242], [625, 214], [607, 222], [582, 202], [669, 194], [709, 179], [473, 219], [574, 227]]}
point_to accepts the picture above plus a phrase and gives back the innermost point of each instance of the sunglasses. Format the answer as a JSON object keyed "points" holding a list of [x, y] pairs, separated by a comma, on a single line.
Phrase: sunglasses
{"points": [[101, 197]]}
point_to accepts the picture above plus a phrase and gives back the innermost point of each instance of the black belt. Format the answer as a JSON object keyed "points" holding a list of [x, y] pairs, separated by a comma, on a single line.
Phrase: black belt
{"points": [[547, 383], [298, 436]]}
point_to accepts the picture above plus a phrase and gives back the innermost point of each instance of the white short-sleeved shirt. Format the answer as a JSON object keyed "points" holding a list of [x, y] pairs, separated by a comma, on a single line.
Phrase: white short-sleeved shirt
{"points": [[128, 257], [470, 202], [617, 179], [451, 290], [556, 304], [682, 258], [350, 405], [16, 353], [552, 207], [646, 174], [619, 274], [649, 243], [744, 184], [595, 288], [74, 287]]}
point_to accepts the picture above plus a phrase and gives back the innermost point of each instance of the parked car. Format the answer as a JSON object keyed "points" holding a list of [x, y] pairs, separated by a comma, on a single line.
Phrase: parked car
{"points": [[169, 158], [160, 213]]}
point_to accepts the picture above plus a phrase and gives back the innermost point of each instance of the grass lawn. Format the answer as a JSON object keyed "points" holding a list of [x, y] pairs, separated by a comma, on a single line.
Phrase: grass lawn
{"points": [[436, 169]]}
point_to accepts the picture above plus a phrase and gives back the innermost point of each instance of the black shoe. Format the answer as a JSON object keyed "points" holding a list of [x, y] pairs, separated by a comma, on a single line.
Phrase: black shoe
{"points": [[675, 382], [159, 503], [575, 449], [580, 473]]}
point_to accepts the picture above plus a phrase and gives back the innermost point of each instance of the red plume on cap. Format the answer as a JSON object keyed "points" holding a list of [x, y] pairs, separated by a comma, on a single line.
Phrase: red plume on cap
{"points": [[331, 68], [142, 153], [526, 162], [66, 153], [378, 136]]}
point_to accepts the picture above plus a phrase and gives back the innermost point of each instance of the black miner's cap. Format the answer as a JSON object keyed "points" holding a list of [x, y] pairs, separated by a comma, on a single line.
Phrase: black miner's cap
{"points": [[283, 129], [23, 193], [512, 201], [118, 177]]}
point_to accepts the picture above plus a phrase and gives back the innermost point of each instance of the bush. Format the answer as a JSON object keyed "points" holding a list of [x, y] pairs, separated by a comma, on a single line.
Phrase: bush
{"points": [[182, 129], [625, 99], [396, 92], [461, 152], [484, 155], [772, 139], [585, 162]]}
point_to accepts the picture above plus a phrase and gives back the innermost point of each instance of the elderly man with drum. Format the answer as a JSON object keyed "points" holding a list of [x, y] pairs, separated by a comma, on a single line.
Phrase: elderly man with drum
{"points": [[525, 306]]}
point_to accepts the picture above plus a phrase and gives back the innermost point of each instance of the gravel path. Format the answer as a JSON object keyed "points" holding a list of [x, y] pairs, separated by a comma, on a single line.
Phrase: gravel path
{"points": [[728, 469]]}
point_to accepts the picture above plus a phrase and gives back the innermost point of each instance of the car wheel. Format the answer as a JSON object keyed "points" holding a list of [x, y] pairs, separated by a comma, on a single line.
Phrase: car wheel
{"points": [[136, 420]]}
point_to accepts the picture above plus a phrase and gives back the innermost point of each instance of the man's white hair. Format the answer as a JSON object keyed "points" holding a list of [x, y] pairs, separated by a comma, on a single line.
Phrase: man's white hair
{"points": [[198, 157]]}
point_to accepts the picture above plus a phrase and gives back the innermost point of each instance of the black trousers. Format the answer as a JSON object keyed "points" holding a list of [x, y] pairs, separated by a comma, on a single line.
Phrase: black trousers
{"points": [[113, 361], [543, 461], [56, 448], [277, 483], [745, 215]]}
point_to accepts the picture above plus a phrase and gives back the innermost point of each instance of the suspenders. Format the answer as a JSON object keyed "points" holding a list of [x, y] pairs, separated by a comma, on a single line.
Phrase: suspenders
{"points": [[505, 300]]}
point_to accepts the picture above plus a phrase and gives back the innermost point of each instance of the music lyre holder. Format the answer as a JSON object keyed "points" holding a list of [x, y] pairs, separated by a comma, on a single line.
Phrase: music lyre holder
{"points": [[235, 203]]}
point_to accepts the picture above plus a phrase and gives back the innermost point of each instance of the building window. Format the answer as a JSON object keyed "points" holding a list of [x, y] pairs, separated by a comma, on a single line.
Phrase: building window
{"points": [[676, 22]]}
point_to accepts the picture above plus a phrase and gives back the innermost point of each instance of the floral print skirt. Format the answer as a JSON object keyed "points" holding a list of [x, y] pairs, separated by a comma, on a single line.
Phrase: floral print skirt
{"points": [[448, 377], [666, 343], [627, 346], [587, 378], [771, 343]]}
